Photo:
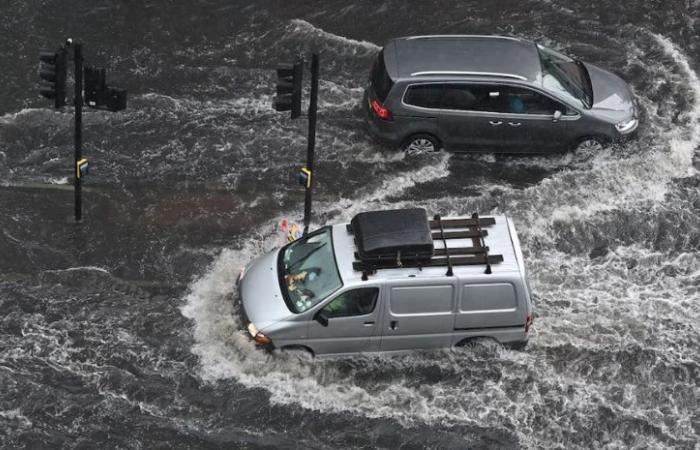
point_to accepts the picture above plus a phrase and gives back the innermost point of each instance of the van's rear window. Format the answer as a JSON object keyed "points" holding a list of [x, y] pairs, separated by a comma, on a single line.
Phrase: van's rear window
{"points": [[380, 79]]}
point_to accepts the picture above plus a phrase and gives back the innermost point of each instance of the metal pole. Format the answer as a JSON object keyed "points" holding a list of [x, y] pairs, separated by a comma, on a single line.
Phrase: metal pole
{"points": [[313, 106], [78, 102]]}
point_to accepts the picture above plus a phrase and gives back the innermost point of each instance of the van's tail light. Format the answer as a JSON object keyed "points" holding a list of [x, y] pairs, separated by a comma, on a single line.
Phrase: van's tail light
{"points": [[381, 111], [528, 322]]}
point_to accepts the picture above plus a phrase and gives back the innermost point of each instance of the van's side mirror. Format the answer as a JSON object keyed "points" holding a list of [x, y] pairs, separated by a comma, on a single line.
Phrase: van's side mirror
{"points": [[556, 116], [321, 318]]}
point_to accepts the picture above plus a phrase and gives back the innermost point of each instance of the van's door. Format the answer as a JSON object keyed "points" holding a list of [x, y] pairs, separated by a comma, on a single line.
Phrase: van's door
{"points": [[417, 315], [470, 119], [353, 317], [497, 304]]}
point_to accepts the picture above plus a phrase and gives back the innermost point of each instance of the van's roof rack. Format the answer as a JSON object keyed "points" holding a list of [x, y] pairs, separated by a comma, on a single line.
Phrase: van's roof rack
{"points": [[405, 238]]}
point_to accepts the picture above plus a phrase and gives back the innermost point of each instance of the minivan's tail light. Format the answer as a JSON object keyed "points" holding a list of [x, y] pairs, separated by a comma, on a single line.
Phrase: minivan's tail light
{"points": [[381, 111], [528, 322]]}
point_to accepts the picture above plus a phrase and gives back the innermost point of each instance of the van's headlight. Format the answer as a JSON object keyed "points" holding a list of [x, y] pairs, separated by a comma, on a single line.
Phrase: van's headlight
{"points": [[627, 126], [258, 336]]}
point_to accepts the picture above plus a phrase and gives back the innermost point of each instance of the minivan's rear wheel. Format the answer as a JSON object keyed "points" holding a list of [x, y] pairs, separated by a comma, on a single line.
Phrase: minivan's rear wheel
{"points": [[419, 144]]}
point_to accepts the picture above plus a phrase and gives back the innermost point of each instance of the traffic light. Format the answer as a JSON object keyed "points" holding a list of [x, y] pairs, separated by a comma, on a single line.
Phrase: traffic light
{"points": [[98, 94], [94, 85], [288, 96], [304, 177], [53, 72]]}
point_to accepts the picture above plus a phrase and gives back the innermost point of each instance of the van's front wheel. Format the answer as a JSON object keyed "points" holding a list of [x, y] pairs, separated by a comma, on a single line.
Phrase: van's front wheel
{"points": [[420, 144]]}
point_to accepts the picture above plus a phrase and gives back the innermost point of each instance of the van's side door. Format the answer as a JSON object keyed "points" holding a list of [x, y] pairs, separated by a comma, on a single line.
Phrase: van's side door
{"points": [[470, 119], [352, 319], [490, 305], [418, 315], [529, 124]]}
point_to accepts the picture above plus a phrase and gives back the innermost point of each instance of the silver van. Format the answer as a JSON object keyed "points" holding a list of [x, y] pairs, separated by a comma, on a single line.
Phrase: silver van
{"points": [[493, 93], [390, 281]]}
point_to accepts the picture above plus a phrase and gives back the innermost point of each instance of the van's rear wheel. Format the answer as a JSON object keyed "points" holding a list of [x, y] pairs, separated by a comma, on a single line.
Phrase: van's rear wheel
{"points": [[420, 144]]}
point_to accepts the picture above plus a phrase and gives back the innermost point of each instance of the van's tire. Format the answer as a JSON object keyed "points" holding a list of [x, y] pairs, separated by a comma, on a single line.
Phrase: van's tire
{"points": [[299, 353], [518, 346], [587, 144], [477, 341], [420, 144]]}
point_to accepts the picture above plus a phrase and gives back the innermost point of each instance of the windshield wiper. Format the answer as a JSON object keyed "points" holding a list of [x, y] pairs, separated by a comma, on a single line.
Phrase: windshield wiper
{"points": [[305, 257]]}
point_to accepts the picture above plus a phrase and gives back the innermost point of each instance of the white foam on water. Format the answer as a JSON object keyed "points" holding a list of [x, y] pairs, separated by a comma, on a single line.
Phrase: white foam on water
{"points": [[304, 27], [599, 308]]}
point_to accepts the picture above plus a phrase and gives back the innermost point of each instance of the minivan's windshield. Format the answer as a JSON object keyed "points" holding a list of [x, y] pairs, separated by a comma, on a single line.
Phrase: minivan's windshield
{"points": [[566, 75], [308, 271]]}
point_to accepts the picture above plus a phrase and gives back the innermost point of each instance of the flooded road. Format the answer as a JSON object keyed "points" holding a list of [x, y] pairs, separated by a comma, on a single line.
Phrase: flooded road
{"points": [[121, 332]]}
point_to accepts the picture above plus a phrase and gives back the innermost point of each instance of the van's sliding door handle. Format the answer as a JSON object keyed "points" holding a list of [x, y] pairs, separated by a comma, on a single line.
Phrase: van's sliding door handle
{"points": [[394, 324], [514, 124], [367, 324], [496, 123]]}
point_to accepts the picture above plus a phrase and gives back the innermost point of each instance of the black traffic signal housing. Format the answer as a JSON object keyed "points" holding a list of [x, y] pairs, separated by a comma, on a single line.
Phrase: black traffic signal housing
{"points": [[288, 96], [98, 94], [53, 72]]}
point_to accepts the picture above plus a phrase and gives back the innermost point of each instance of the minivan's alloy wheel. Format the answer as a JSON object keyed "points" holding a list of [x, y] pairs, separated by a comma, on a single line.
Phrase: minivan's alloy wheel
{"points": [[589, 145], [419, 145]]}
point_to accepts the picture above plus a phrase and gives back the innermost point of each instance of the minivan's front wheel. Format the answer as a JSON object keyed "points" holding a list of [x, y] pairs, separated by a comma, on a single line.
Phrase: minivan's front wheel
{"points": [[589, 144], [419, 144]]}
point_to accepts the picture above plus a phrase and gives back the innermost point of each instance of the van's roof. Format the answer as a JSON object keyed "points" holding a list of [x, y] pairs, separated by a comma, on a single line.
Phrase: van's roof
{"points": [[501, 240], [409, 57]]}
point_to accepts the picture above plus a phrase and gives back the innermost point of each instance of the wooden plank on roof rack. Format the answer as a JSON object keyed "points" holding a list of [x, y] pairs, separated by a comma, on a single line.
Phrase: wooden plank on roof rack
{"points": [[434, 262], [456, 251], [459, 234], [463, 223]]}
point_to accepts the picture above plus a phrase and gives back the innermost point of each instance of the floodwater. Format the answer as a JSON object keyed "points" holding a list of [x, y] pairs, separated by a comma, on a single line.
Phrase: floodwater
{"points": [[121, 332]]}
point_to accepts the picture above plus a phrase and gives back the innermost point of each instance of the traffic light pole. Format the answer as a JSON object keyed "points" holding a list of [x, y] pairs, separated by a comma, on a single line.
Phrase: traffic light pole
{"points": [[78, 102], [313, 106]]}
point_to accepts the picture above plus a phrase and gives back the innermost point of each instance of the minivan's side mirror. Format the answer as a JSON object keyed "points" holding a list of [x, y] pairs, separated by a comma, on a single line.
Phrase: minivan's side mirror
{"points": [[321, 318], [556, 116]]}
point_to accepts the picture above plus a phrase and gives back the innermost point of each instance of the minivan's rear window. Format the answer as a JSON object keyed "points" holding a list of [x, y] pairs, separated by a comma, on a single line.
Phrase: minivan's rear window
{"points": [[380, 79], [424, 95]]}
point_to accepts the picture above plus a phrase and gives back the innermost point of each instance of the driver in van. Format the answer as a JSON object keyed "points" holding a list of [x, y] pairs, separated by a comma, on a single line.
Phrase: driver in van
{"points": [[295, 281]]}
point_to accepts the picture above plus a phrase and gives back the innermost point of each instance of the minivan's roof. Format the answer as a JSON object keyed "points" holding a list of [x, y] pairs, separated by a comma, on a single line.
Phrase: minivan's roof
{"points": [[462, 54], [501, 240]]}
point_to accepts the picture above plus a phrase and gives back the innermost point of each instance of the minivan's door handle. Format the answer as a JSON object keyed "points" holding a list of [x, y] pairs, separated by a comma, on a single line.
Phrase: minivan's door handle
{"points": [[394, 324], [367, 324], [514, 124], [496, 123]]}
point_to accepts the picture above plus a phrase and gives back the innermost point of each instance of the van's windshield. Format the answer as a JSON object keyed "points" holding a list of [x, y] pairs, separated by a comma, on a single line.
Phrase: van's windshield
{"points": [[566, 75], [308, 271]]}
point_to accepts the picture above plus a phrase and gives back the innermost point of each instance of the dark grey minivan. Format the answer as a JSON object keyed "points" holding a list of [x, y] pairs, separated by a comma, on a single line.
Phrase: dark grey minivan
{"points": [[493, 93]]}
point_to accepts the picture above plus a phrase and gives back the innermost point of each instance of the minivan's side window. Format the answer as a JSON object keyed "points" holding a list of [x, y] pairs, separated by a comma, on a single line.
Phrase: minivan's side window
{"points": [[498, 99], [356, 302], [424, 95], [517, 100]]}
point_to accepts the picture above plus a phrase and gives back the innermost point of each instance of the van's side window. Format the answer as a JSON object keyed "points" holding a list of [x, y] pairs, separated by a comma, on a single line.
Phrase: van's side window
{"points": [[356, 302], [424, 95], [518, 100], [498, 99]]}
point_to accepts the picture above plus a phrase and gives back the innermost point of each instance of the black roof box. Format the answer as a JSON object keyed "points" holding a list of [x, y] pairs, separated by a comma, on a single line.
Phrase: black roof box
{"points": [[383, 233]]}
